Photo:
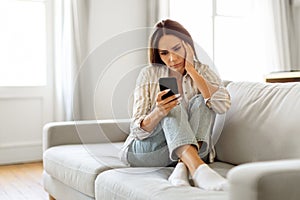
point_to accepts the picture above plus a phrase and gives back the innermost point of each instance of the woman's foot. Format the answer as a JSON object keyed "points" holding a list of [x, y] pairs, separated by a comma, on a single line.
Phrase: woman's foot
{"points": [[206, 178], [179, 176]]}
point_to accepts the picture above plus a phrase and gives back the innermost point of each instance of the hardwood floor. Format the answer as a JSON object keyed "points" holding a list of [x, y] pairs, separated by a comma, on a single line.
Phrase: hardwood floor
{"points": [[22, 182]]}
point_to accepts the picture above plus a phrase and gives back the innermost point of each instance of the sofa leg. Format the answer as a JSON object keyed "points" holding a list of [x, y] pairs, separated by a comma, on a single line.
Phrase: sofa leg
{"points": [[51, 197]]}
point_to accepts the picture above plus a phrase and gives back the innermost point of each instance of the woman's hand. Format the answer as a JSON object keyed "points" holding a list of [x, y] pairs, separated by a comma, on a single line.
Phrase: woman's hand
{"points": [[206, 89], [164, 106], [189, 57]]}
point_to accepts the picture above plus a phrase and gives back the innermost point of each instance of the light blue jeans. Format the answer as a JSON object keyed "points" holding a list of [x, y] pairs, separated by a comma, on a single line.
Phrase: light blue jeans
{"points": [[180, 127]]}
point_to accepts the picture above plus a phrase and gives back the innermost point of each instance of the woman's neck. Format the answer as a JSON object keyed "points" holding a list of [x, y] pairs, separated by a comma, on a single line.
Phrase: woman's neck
{"points": [[176, 74]]}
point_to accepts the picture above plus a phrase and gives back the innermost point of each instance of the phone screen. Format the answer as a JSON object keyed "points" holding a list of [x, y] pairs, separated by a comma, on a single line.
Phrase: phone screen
{"points": [[168, 83]]}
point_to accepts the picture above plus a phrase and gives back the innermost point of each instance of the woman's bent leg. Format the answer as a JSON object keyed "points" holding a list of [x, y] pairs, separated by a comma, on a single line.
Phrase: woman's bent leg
{"points": [[197, 126], [177, 130], [189, 155], [150, 152], [201, 120]]}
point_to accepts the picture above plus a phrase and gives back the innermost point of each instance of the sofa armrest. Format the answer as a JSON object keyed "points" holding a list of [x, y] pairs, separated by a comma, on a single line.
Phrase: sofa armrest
{"points": [[270, 180], [81, 132]]}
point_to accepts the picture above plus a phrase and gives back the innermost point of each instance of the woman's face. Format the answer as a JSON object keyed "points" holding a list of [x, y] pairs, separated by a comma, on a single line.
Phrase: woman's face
{"points": [[172, 52]]}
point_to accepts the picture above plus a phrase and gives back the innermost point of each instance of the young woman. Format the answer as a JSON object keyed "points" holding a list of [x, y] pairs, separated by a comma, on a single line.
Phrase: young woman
{"points": [[178, 128]]}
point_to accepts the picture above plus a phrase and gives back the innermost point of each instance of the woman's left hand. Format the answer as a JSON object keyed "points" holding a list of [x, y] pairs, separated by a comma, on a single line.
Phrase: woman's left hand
{"points": [[189, 57]]}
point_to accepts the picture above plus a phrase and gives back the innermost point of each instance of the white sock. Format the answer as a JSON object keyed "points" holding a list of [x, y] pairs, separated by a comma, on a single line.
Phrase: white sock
{"points": [[207, 179], [179, 176]]}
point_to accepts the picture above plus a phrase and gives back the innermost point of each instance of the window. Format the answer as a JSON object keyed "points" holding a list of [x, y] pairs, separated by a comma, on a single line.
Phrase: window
{"points": [[196, 17], [23, 43], [229, 31]]}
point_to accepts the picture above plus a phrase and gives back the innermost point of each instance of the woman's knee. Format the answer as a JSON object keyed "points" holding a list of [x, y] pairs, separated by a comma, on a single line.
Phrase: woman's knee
{"points": [[197, 100]]}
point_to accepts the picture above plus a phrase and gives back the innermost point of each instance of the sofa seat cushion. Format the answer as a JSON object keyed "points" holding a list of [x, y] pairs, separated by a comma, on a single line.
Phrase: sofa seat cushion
{"points": [[79, 165], [151, 184]]}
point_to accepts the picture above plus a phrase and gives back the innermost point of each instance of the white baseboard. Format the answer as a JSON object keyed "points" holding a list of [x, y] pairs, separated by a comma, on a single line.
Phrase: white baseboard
{"points": [[20, 152]]}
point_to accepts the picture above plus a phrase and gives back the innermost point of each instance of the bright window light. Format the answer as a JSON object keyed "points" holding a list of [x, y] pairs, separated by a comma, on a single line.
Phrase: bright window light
{"points": [[196, 17], [234, 7], [23, 43], [227, 31]]}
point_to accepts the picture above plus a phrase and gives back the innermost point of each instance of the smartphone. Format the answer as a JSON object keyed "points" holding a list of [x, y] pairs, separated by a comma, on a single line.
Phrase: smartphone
{"points": [[168, 83]]}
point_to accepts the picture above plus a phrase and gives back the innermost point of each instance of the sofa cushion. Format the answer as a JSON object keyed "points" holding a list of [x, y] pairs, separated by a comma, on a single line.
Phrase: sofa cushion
{"points": [[151, 184], [262, 123], [79, 165]]}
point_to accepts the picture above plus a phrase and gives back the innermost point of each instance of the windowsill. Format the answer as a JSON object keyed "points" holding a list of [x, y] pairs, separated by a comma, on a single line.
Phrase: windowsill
{"points": [[282, 77]]}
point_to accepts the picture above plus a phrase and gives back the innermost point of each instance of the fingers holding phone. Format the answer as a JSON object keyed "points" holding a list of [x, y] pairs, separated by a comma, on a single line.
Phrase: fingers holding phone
{"points": [[167, 104], [168, 97]]}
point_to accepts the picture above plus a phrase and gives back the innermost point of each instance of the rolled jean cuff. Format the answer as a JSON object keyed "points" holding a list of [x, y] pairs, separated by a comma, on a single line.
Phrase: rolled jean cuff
{"points": [[173, 148], [204, 149]]}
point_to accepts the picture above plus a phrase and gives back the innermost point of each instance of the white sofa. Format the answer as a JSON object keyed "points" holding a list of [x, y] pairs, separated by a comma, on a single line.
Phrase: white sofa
{"points": [[258, 151]]}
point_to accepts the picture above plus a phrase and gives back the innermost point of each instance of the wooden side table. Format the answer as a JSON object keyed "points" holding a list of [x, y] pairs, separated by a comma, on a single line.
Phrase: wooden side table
{"points": [[283, 77]]}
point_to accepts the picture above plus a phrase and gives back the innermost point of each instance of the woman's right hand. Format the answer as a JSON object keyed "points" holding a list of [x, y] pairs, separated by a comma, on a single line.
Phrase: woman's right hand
{"points": [[164, 106]]}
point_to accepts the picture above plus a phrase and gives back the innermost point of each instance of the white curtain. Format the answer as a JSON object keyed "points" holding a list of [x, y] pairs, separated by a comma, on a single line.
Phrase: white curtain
{"points": [[70, 35], [282, 35]]}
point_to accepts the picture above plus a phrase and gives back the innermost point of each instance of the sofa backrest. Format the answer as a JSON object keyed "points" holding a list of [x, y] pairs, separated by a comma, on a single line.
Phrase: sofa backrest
{"points": [[262, 124]]}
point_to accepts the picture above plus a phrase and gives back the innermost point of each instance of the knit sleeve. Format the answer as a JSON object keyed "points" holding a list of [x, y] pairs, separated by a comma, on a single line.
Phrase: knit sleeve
{"points": [[220, 100], [141, 105]]}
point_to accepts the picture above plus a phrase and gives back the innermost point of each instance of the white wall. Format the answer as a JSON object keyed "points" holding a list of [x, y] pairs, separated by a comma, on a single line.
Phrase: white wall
{"points": [[116, 50]]}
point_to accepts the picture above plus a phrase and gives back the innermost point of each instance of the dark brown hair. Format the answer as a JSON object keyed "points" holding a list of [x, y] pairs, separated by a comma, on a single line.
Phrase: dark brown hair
{"points": [[167, 27]]}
